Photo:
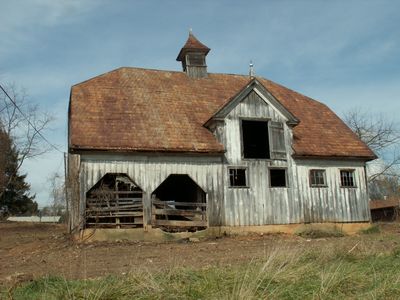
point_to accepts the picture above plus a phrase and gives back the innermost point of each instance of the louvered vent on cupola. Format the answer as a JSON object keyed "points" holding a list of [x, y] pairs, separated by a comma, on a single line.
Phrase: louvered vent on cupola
{"points": [[193, 57]]}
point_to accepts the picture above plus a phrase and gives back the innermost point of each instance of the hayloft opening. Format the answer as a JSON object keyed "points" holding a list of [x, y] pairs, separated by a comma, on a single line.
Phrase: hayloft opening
{"points": [[255, 139], [179, 204], [114, 201]]}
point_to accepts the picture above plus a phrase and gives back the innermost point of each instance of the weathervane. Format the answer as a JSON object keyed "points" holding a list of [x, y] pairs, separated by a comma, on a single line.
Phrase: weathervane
{"points": [[251, 69]]}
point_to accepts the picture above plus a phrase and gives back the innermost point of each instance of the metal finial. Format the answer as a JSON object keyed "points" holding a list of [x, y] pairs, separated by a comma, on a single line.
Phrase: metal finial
{"points": [[190, 30], [251, 69]]}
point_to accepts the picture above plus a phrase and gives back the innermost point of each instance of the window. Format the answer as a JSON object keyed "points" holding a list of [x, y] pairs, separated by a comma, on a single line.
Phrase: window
{"points": [[196, 59], [263, 140], [317, 178], [237, 177], [347, 178], [255, 139], [277, 177]]}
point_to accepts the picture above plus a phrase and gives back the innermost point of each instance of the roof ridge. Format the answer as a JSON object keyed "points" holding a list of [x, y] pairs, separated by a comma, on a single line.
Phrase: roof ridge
{"points": [[97, 76]]}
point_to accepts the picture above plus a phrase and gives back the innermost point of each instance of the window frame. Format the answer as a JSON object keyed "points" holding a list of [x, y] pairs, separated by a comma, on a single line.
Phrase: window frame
{"points": [[316, 185], [245, 174], [286, 177], [352, 172]]}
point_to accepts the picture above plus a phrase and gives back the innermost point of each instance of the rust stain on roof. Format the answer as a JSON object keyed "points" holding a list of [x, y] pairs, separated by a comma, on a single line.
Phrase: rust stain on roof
{"points": [[133, 109]]}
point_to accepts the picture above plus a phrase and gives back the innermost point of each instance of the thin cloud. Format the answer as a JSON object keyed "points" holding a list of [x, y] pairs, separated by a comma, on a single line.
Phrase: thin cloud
{"points": [[23, 20]]}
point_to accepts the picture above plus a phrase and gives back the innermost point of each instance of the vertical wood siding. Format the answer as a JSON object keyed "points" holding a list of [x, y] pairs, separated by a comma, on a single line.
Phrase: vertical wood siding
{"points": [[333, 202], [258, 204], [150, 172], [261, 204], [196, 71]]}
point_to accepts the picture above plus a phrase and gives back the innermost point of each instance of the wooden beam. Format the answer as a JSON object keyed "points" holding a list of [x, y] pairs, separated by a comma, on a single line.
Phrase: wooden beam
{"points": [[75, 220], [114, 207], [179, 212], [118, 214], [139, 222], [118, 192], [181, 223], [170, 203], [119, 200]]}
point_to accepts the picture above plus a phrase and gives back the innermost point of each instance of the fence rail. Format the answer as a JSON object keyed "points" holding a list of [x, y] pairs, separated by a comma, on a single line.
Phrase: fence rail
{"points": [[114, 209], [178, 214]]}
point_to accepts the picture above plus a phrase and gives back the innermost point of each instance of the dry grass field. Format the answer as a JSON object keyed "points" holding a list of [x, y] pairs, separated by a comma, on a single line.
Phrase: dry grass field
{"points": [[40, 262]]}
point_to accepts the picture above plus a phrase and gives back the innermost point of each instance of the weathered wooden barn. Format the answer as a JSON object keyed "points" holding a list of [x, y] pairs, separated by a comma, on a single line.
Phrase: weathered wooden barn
{"points": [[192, 149]]}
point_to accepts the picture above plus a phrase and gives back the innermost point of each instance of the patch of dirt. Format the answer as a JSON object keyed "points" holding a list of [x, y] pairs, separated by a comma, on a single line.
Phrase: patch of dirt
{"points": [[34, 250]]}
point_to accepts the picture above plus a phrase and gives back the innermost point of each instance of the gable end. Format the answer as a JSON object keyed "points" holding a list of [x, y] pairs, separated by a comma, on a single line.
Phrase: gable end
{"points": [[263, 93]]}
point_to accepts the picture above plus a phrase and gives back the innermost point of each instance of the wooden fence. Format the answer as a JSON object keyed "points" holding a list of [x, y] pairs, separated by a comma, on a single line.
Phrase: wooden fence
{"points": [[115, 209], [171, 214], [122, 209]]}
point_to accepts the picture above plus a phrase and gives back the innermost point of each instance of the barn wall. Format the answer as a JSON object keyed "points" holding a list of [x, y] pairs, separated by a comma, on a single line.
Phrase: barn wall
{"points": [[260, 204], [150, 171], [257, 204], [333, 203]]}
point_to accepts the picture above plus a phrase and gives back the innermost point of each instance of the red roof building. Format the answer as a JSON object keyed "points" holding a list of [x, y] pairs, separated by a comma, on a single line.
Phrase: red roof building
{"points": [[254, 151]]}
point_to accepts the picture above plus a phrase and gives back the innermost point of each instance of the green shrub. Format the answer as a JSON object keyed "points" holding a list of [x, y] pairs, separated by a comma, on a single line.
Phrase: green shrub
{"points": [[319, 232], [370, 230]]}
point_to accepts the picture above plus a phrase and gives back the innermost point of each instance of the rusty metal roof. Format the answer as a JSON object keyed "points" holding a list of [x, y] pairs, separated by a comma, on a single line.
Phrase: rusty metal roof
{"points": [[133, 109]]}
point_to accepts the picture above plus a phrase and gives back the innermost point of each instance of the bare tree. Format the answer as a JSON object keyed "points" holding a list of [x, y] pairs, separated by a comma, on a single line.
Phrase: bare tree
{"points": [[382, 135], [376, 130], [57, 193], [16, 120]]}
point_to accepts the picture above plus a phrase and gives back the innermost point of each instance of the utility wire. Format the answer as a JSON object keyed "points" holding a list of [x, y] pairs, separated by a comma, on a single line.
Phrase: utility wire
{"points": [[29, 122]]}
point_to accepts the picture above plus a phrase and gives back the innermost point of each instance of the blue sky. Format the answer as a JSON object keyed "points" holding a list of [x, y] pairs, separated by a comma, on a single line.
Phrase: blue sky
{"points": [[343, 53]]}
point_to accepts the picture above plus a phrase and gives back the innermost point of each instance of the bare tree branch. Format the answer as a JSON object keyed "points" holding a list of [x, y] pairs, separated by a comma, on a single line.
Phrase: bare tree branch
{"points": [[376, 131], [17, 126], [382, 135]]}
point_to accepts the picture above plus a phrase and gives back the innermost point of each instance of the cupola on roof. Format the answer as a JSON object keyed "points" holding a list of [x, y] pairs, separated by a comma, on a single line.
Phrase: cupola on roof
{"points": [[192, 45]]}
